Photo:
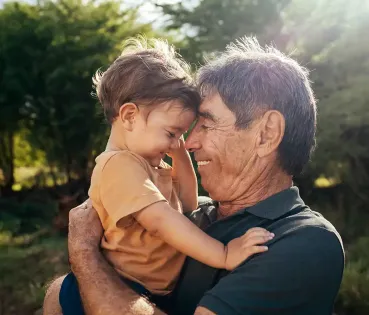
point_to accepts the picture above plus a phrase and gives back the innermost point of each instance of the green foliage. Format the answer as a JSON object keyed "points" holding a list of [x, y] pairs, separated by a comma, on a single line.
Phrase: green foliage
{"points": [[25, 217], [353, 298], [212, 24], [18, 43], [25, 155], [330, 41], [63, 116], [49, 52], [26, 271]]}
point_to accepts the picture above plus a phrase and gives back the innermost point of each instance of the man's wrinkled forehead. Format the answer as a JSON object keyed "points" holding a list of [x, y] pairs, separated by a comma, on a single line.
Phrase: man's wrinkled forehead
{"points": [[213, 109]]}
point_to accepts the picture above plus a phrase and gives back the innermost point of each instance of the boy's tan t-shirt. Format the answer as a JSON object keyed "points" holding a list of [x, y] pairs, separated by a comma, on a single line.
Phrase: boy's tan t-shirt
{"points": [[122, 184]]}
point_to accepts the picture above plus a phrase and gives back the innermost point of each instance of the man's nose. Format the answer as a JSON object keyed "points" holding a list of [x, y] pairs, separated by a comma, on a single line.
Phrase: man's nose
{"points": [[193, 141]]}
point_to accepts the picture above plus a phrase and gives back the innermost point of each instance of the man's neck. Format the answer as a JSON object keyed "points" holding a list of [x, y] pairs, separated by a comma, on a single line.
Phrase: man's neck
{"points": [[254, 192]]}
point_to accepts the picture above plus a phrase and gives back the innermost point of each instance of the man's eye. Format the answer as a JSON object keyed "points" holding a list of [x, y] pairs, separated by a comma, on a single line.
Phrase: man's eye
{"points": [[171, 135], [205, 127]]}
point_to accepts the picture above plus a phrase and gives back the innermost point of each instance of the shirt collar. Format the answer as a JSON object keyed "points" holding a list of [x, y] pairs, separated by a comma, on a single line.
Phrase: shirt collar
{"points": [[277, 205]]}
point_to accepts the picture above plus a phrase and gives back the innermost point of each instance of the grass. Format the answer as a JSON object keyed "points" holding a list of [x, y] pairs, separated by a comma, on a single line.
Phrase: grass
{"points": [[29, 262], [26, 269]]}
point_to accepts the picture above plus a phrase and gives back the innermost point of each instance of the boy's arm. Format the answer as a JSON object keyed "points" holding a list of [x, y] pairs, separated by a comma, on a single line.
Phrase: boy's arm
{"points": [[184, 172], [178, 231]]}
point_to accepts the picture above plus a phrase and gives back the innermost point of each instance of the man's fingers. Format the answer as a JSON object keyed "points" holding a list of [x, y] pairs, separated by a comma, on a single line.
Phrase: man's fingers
{"points": [[87, 205], [81, 206]]}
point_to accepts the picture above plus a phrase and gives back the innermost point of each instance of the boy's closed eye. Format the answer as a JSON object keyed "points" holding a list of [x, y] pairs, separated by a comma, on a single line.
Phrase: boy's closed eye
{"points": [[175, 132], [171, 134]]}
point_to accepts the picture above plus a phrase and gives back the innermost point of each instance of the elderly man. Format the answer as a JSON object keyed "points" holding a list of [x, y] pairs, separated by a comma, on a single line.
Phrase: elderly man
{"points": [[255, 131]]}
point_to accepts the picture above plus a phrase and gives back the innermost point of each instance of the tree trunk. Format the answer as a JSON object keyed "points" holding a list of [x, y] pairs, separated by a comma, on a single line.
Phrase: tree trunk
{"points": [[68, 168], [7, 161], [52, 172]]}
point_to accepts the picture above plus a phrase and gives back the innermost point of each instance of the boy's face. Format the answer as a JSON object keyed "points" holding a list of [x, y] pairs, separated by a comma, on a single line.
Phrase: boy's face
{"points": [[157, 132]]}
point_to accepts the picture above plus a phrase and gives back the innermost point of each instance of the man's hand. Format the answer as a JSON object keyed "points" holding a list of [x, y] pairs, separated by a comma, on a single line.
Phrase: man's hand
{"points": [[85, 231], [101, 288]]}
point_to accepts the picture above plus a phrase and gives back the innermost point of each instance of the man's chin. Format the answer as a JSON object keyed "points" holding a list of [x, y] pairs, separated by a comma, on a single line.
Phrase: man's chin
{"points": [[204, 172], [205, 181]]}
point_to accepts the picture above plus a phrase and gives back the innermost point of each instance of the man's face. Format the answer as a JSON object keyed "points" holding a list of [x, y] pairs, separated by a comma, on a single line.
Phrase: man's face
{"points": [[224, 154]]}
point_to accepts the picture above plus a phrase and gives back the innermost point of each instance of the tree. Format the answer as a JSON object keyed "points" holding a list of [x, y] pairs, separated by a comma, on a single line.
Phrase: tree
{"points": [[330, 40], [212, 24], [17, 43], [52, 51]]}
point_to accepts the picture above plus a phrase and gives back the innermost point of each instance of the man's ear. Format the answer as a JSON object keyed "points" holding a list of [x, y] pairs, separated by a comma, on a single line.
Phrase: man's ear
{"points": [[271, 132], [127, 115]]}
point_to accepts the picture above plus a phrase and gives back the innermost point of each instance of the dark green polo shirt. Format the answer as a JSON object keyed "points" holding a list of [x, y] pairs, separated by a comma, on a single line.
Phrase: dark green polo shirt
{"points": [[300, 274]]}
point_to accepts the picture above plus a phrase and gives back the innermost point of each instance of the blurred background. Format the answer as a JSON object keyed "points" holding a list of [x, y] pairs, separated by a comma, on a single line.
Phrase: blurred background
{"points": [[51, 128]]}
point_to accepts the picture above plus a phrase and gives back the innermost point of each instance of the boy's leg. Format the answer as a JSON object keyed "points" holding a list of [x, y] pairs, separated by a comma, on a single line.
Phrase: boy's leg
{"points": [[65, 292], [51, 302], [69, 296]]}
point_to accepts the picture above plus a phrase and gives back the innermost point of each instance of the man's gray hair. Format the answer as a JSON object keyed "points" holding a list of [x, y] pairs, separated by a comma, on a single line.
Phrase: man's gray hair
{"points": [[252, 79]]}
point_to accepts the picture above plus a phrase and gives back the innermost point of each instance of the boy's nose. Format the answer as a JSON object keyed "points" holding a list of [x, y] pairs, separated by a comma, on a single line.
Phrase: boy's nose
{"points": [[175, 145]]}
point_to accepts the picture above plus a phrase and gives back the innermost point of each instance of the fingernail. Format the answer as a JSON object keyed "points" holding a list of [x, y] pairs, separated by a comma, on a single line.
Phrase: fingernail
{"points": [[266, 248], [272, 234]]}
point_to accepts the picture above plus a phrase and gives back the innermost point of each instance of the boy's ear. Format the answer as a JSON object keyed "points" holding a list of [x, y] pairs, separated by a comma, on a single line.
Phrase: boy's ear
{"points": [[127, 115]]}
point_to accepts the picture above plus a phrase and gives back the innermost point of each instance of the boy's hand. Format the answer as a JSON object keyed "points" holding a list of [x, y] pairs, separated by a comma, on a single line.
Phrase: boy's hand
{"points": [[181, 148], [241, 248]]}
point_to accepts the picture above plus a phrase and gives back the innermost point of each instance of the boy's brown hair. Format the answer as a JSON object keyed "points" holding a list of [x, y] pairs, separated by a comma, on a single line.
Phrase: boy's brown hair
{"points": [[146, 73]]}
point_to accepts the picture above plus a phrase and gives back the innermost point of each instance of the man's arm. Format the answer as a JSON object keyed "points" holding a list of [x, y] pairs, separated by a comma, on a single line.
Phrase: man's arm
{"points": [[101, 289], [183, 170]]}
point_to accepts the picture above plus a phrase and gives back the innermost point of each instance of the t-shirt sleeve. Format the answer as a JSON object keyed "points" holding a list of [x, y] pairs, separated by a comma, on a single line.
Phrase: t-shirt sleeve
{"points": [[298, 275], [126, 186]]}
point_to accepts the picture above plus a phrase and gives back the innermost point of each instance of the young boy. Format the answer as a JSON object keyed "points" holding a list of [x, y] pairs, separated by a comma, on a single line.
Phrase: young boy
{"points": [[149, 99]]}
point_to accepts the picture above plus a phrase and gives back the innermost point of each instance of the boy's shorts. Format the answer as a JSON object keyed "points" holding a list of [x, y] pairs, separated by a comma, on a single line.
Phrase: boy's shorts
{"points": [[71, 303]]}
